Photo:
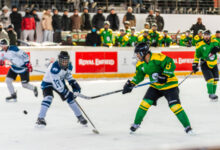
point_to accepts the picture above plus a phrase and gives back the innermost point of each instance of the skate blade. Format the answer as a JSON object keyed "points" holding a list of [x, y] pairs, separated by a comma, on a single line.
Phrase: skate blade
{"points": [[214, 100], [191, 133], [40, 126], [11, 100], [132, 133], [95, 131]]}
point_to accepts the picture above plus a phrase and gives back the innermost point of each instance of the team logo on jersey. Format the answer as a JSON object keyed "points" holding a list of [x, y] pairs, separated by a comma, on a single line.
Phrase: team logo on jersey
{"points": [[155, 76], [55, 69], [211, 56]]}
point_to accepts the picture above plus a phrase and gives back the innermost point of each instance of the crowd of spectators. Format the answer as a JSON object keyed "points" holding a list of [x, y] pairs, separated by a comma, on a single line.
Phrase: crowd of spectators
{"points": [[102, 31]]}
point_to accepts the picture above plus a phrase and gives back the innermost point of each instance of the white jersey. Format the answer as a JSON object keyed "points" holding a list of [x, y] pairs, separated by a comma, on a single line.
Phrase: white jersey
{"points": [[17, 57], [55, 77]]}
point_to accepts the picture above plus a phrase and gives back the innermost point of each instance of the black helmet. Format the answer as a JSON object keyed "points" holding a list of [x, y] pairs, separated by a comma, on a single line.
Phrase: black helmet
{"points": [[63, 59], [4, 42], [207, 32], [143, 49]]}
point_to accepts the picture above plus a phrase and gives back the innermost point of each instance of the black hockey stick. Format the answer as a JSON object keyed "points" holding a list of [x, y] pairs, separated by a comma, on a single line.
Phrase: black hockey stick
{"points": [[186, 78], [39, 71], [94, 128], [109, 93]]}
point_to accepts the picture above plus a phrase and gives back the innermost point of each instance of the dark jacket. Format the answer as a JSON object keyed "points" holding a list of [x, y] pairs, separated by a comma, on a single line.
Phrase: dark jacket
{"points": [[16, 20], [196, 27], [131, 18], [86, 21], [36, 18], [66, 22], [56, 22], [98, 21], [114, 21], [160, 23], [93, 39], [12, 37], [151, 19]]}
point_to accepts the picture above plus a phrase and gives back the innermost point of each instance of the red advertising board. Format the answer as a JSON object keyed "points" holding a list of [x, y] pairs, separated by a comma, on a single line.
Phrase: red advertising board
{"points": [[96, 62], [4, 69], [182, 59]]}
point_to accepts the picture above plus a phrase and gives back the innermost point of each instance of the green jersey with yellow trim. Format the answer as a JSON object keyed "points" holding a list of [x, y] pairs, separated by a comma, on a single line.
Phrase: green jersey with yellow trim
{"points": [[106, 35], [159, 63], [203, 51], [196, 40]]}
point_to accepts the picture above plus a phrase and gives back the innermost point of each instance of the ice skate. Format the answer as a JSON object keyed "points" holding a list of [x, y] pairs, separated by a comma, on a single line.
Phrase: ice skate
{"points": [[82, 120], [134, 127], [41, 123], [189, 131], [12, 98], [213, 97]]}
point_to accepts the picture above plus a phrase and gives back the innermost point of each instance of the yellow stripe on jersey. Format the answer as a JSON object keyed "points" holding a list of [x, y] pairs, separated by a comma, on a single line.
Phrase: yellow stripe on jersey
{"points": [[199, 44], [158, 56], [139, 63], [177, 108], [211, 64], [145, 104]]}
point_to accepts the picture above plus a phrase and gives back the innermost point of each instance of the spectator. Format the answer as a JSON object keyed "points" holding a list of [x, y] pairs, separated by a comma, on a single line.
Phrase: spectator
{"points": [[113, 20], [165, 40], [121, 39], [12, 35], [144, 38], [106, 35], [47, 26], [127, 27], [65, 21], [146, 26], [186, 39], [68, 41], [198, 38], [37, 20], [154, 35], [4, 17], [75, 21], [86, 20], [198, 26], [130, 17], [28, 26], [159, 21], [16, 20], [92, 3], [3, 33], [57, 26], [98, 19], [133, 37], [151, 18], [93, 39]]}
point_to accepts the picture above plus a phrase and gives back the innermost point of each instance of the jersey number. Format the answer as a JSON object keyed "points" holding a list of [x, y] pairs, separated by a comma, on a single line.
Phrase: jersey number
{"points": [[57, 83]]}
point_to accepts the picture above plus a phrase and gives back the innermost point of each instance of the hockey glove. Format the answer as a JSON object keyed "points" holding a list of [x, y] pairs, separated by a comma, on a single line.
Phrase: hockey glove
{"points": [[29, 67], [195, 67], [2, 62], [128, 87], [215, 50], [75, 86], [162, 79]]}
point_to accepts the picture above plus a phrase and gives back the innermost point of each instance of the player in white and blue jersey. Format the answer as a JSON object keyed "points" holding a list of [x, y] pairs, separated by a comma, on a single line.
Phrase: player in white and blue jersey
{"points": [[20, 65], [54, 80]]}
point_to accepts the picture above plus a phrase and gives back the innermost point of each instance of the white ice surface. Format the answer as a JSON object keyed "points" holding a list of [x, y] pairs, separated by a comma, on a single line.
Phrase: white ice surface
{"points": [[112, 116]]}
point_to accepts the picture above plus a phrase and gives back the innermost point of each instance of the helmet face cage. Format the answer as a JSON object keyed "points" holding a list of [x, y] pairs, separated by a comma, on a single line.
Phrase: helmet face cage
{"points": [[142, 49], [63, 60]]}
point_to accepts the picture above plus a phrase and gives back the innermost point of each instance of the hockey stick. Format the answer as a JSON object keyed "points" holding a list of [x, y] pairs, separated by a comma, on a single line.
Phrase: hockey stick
{"points": [[109, 93], [39, 71], [94, 128], [185, 78]]}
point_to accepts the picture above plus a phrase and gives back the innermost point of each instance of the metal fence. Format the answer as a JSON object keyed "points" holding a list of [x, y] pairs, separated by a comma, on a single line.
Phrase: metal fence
{"points": [[140, 6]]}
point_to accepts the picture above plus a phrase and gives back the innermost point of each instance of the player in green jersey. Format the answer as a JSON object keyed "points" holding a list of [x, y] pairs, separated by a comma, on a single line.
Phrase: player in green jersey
{"points": [[198, 38], [154, 35], [206, 53], [133, 37], [106, 35], [165, 40], [121, 38], [216, 36], [160, 68], [186, 39]]}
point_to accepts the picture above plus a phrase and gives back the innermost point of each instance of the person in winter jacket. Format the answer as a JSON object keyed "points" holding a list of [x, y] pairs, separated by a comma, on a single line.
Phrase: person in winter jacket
{"points": [[151, 18], [75, 21], [16, 20], [65, 21], [93, 39], [4, 17], [113, 20], [12, 35], [98, 19], [159, 21], [28, 26], [198, 26], [57, 26], [130, 17], [3, 33], [85, 20], [47, 26]]}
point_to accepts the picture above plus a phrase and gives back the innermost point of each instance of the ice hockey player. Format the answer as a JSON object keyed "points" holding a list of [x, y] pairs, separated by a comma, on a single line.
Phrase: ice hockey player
{"points": [[133, 37], [121, 39], [144, 38], [154, 35], [216, 36], [20, 65], [54, 80], [198, 38], [186, 39], [165, 40], [106, 35], [160, 68], [206, 52]]}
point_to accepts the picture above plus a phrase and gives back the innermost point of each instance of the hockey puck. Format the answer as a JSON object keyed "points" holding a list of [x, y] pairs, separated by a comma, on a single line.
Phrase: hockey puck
{"points": [[25, 112]]}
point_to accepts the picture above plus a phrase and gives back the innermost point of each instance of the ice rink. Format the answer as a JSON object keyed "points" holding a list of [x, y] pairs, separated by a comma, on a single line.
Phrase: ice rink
{"points": [[112, 116]]}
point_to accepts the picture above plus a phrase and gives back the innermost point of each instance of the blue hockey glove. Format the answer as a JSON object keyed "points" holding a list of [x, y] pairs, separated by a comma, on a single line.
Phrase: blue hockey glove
{"points": [[75, 86]]}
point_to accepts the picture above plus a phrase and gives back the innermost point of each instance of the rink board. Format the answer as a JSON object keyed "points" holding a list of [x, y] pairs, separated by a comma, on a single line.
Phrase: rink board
{"points": [[100, 62]]}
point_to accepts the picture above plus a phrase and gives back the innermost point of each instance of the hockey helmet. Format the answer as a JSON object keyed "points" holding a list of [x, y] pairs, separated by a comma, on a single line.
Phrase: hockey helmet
{"points": [[63, 59], [207, 32], [4, 42], [142, 49]]}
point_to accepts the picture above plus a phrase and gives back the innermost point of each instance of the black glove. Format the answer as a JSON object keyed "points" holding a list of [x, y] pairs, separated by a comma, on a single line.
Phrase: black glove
{"points": [[128, 87], [75, 86], [195, 67], [162, 79], [215, 50]]}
